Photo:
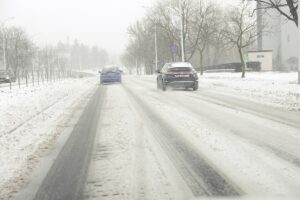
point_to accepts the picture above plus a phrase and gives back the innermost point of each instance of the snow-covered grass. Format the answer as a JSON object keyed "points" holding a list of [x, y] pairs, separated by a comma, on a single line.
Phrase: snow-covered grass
{"points": [[279, 89], [19, 105], [31, 118]]}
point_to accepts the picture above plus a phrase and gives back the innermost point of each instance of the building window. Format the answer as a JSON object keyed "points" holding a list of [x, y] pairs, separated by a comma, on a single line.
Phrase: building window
{"points": [[260, 56]]}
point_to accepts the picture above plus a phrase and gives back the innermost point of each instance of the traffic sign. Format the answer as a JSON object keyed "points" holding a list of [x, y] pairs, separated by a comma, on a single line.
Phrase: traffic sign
{"points": [[174, 49]]}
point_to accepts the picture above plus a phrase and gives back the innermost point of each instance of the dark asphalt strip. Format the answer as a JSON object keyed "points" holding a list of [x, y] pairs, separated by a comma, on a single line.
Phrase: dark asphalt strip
{"points": [[198, 174], [65, 180]]}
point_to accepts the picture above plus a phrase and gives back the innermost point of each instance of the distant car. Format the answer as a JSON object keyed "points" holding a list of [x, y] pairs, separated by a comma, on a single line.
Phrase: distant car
{"points": [[177, 75], [111, 74], [7, 77]]}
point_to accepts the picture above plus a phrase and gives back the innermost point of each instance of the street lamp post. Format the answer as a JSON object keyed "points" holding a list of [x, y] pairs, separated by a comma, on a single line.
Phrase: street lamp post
{"points": [[181, 30]]}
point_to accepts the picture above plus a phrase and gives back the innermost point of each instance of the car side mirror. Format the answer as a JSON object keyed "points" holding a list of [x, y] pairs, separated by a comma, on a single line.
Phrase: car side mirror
{"points": [[99, 72], [158, 71]]}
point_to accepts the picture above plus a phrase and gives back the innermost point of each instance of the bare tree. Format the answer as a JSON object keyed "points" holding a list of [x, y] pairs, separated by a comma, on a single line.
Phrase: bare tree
{"points": [[137, 34], [287, 8], [241, 30], [142, 44], [203, 29], [169, 16], [129, 59], [218, 45], [19, 51], [165, 22]]}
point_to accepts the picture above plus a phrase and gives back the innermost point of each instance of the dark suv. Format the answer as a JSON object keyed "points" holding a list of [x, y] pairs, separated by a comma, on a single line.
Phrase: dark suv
{"points": [[178, 75]]}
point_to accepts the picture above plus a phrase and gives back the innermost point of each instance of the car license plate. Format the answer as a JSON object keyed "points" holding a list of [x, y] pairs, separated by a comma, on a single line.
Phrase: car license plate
{"points": [[182, 75]]}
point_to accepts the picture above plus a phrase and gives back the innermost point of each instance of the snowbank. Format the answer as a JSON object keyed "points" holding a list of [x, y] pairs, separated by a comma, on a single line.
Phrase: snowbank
{"points": [[272, 88], [275, 88]]}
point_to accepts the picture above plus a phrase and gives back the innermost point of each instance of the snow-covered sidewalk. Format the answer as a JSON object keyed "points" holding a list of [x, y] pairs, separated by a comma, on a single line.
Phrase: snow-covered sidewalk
{"points": [[30, 120], [274, 88]]}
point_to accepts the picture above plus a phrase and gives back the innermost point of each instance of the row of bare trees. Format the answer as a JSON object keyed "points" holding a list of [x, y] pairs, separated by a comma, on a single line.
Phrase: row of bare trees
{"points": [[51, 62], [211, 34]]}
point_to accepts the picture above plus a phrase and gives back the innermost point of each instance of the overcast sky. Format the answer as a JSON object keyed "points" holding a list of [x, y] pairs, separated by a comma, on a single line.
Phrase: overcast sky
{"points": [[100, 22]]}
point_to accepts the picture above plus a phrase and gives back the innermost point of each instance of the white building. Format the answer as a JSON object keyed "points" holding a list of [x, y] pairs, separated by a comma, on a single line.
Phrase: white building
{"points": [[264, 57], [281, 36]]}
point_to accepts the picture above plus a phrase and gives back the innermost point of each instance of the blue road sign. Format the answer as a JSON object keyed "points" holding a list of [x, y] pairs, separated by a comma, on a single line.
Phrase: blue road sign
{"points": [[174, 49]]}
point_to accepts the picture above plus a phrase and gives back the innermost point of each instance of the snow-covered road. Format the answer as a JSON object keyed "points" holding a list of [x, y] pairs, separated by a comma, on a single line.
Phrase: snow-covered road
{"points": [[177, 144], [182, 144]]}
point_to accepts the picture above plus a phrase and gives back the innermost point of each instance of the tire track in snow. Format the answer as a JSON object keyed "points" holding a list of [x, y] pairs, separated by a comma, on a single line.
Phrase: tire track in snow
{"points": [[273, 149], [291, 118], [202, 178]]}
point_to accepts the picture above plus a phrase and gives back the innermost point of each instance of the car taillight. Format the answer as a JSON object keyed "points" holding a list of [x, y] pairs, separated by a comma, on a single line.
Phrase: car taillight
{"points": [[194, 75], [169, 74]]}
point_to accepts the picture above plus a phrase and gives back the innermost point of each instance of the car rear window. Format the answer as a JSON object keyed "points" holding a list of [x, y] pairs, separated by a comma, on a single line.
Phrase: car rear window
{"points": [[180, 69], [111, 70]]}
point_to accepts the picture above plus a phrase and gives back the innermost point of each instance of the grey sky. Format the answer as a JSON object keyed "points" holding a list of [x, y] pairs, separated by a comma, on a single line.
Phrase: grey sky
{"points": [[100, 22]]}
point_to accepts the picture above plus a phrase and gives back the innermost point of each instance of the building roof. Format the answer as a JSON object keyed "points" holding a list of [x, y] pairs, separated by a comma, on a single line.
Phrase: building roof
{"points": [[260, 51]]}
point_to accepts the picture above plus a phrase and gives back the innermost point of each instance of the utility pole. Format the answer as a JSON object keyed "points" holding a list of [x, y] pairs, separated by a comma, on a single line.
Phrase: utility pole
{"points": [[182, 31]]}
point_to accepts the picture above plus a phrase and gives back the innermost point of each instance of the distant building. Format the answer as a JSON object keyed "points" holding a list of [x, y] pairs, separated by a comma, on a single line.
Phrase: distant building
{"points": [[279, 35]]}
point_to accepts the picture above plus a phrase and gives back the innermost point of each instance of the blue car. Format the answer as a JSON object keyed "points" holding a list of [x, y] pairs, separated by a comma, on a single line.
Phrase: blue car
{"points": [[111, 74]]}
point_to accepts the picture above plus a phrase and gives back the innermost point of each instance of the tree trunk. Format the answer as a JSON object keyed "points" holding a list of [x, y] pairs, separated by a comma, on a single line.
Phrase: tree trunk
{"points": [[32, 76], [242, 61], [26, 78], [19, 81], [201, 63], [38, 76], [137, 67]]}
